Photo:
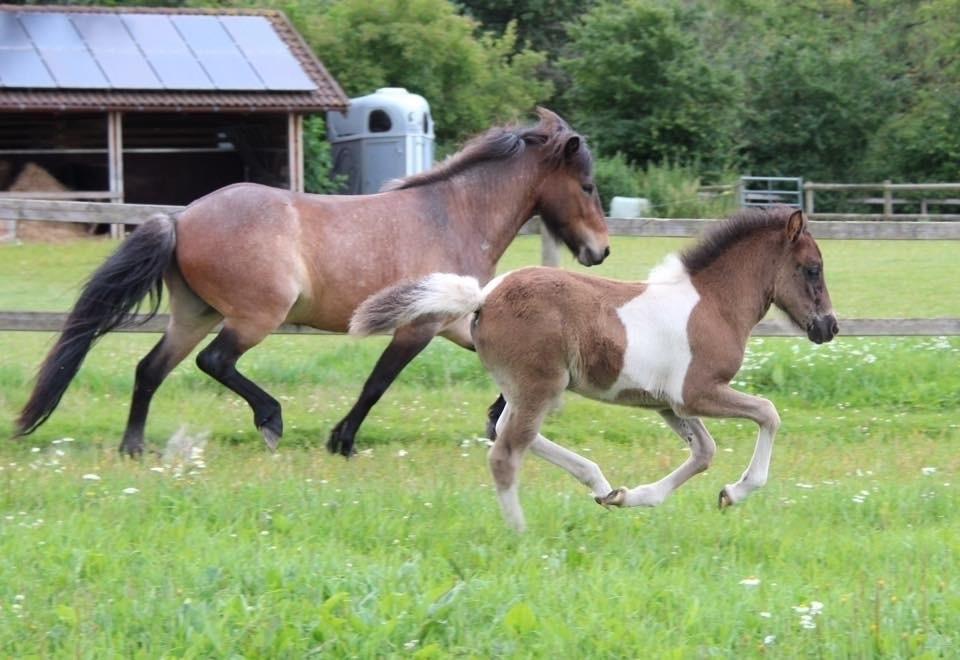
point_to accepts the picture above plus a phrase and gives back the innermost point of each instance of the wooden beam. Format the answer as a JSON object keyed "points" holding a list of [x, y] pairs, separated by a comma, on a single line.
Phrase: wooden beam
{"points": [[115, 164], [295, 150], [938, 327]]}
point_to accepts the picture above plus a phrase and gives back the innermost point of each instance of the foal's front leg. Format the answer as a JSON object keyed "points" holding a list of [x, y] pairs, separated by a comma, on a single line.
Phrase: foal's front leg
{"points": [[702, 449], [724, 401], [585, 471]]}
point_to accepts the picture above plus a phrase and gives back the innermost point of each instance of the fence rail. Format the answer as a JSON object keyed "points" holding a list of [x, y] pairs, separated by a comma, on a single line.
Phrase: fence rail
{"points": [[831, 226], [53, 322]]}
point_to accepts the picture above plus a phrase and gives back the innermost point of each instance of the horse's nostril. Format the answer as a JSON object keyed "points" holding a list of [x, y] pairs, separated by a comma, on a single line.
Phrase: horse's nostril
{"points": [[606, 252], [835, 328]]}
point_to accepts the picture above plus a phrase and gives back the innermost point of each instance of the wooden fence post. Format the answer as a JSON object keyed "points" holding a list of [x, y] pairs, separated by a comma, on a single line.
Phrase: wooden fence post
{"points": [[887, 200], [807, 198]]}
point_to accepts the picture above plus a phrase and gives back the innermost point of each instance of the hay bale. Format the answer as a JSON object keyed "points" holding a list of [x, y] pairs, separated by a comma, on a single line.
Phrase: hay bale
{"points": [[33, 178]]}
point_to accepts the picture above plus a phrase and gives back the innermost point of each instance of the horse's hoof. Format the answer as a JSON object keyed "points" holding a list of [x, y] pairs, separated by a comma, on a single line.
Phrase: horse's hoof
{"points": [[724, 500], [615, 497], [272, 430], [131, 449], [338, 443], [271, 438]]}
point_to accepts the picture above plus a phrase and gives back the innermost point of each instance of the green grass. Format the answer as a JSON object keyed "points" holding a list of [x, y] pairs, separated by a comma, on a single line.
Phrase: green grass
{"points": [[402, 552]]}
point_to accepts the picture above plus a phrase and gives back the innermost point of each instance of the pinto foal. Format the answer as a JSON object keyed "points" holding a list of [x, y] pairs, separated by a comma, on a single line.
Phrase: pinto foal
{"points": [[672, 343]]}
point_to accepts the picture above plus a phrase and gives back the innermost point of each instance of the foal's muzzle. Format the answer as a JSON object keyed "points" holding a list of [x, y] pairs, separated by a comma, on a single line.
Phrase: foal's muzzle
{"points": [[822, 329], [591, 257]]}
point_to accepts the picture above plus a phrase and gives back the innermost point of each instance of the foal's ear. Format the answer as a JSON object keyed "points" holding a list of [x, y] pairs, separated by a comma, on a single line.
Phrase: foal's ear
{"points": [[548, 117], [571, 147], [796, 223]]}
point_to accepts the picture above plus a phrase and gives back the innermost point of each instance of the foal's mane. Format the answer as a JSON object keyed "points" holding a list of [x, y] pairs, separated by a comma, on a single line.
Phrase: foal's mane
{"points": [[502, 143], [719, 237]]}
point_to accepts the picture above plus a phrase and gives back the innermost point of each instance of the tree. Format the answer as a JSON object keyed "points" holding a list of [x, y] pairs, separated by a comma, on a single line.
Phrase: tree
{"points": [[471, 80], [642, 84]]}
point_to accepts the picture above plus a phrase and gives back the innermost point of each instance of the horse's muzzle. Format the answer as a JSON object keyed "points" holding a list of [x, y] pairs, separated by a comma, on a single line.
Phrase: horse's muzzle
{"points": [[590, 257], [822, 329]]}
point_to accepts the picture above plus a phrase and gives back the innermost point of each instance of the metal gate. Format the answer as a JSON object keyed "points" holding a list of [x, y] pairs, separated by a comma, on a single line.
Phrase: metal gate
{"points": [[771, 191]]}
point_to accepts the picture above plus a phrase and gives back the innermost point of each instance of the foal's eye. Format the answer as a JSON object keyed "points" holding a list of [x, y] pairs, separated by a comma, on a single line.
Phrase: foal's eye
{"points": [[813, 272], [587, 188]]}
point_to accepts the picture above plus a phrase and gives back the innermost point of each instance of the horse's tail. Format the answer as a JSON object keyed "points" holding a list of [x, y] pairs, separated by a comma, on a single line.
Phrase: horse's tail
{"points": [[442, 296], [109, 300]]}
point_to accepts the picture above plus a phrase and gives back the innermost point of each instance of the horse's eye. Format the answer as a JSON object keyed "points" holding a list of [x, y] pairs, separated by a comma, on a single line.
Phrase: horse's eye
{"points": [[813, 272], [587, 188]]}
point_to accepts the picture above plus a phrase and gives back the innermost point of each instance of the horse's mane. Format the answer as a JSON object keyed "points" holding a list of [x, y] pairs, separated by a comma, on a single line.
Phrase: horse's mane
{"points": [[501, 143], [718, 238]]}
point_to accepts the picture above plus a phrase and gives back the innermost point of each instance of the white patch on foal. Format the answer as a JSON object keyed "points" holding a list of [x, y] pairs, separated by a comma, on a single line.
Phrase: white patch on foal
{"points": [[658, 350]]}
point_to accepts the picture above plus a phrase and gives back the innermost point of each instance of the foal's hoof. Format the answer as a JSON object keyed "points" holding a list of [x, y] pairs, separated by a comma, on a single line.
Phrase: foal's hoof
{"points": [[615, 497], [724, 500]]}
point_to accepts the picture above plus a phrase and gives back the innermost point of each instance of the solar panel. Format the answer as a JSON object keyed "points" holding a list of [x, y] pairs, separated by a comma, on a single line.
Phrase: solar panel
{"points": [[51, 31], [11, 33], [229, 71], [145, 51], [253, 34], [116, 52], [269, 56], [154, 33], [74, 69], [180, 71], [280, 72], [203, 33], [20, 67]]}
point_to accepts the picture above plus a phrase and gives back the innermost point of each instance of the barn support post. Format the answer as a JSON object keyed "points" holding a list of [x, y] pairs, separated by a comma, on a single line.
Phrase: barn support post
{"points": [[295, 150], [115, 164], [549, 247]]}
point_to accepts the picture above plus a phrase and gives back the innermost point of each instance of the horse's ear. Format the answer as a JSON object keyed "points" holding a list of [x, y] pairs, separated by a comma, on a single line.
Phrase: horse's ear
{"points": [[571, 147], [548, 117], [796, 223]]}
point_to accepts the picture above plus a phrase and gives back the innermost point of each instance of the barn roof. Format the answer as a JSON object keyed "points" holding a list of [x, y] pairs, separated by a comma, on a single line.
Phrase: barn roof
{"points": [[61, 58]]}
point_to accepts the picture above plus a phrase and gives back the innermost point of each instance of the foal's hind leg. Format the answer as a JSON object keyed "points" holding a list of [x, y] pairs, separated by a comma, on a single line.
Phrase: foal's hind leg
{"points": [[219, 360], [406, 344]]}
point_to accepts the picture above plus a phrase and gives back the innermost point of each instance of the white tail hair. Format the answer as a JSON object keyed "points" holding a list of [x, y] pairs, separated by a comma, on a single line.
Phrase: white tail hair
{"points": [[444, 296]]}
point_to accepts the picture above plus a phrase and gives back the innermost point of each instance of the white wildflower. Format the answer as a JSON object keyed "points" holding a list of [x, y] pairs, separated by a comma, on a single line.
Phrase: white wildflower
{"points": [[91, 477], [750, 581], [131, 491]]}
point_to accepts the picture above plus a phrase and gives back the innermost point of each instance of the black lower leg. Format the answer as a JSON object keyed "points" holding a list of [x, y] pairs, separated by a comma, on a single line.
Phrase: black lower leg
{"points": [[493, 414], [397, 356], [219, 360], [151, 371]]}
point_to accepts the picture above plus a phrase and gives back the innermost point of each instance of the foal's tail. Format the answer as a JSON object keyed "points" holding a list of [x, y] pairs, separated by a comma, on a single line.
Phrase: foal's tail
{"points": [[440, 296], [109, 300]]}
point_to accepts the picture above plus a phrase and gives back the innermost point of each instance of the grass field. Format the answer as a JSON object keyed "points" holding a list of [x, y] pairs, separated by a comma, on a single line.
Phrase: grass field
{"points": [[850, 551]]}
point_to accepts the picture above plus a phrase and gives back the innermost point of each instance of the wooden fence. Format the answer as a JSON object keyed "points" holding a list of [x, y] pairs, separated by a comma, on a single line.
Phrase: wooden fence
{"points": [[833, 228]]}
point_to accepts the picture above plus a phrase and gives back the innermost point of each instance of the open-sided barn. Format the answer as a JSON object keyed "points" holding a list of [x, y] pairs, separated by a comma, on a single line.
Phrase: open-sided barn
{"points": [[153, 105]]}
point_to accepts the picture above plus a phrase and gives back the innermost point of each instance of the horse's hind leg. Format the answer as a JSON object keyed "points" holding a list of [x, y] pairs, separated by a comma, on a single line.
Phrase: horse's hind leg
{"points": [[406, 344], [190, 320], [219, 360]]}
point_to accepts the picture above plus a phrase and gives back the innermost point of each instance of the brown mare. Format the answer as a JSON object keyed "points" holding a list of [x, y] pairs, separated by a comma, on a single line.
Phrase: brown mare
{"points": [[255, 257], [672, 343]]}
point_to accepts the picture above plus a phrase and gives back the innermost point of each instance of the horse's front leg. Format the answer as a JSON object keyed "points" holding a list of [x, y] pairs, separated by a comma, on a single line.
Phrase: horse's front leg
{"points": [[702, 449], [406, 344], [724, 401]]}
